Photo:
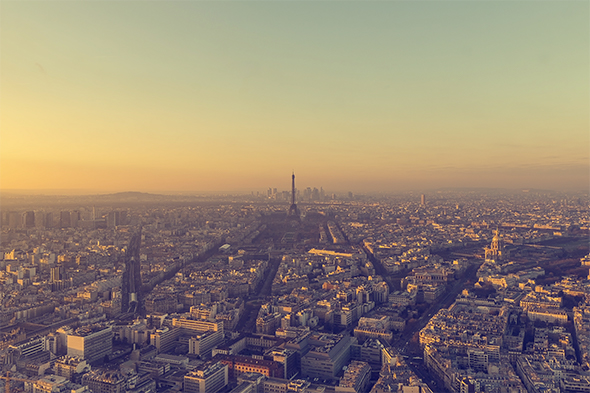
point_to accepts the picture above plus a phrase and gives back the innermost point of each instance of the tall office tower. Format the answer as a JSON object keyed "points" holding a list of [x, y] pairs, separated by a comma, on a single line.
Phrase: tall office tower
{"points": [[64, 219], [113, 219], [293, 211], [315, 194], [74, 218], [49, 220], [131, 296], [123, 217], [423, 199], [29, 219], [56, 273], [39, 219]]}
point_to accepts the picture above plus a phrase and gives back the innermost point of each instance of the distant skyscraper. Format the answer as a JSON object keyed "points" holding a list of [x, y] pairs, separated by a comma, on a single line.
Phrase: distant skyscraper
{"points": [[29, 219], [293, 210], [123, 217], [315, 194], [56, 273], [39, 219], [423, 199], [49, 220], [74, 218], [113, 219], [64, 219], [131, 295]]}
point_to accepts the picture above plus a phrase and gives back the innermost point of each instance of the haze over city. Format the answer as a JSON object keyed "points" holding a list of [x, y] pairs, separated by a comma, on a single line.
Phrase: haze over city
{"points": [[294, 196], [234, 96]]}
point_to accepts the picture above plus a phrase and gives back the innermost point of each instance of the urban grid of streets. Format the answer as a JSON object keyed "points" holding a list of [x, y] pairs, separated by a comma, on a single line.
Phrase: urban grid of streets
{"points": [[349, 272]]}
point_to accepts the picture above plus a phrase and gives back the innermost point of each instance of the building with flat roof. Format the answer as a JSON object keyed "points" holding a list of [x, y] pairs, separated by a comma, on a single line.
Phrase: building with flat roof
{"points": [[91, 343], [288, 358], [279, 385], [30, 346], [202, 344], [191, 325], [164, 339], [239, 365], [209, 378], [329, 355], [50, 384], [355, 379]]}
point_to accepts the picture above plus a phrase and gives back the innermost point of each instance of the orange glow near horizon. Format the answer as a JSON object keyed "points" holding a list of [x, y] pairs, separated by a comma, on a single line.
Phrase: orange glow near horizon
{"points": [[377, 96]]}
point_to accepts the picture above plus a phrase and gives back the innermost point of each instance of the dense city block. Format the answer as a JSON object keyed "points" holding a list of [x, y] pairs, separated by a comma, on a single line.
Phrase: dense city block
{"points": [[300, 291]]}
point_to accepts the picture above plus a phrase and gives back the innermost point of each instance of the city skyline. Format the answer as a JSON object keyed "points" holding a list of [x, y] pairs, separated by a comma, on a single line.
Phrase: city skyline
{"points": [[424, 292], [362, 97]]}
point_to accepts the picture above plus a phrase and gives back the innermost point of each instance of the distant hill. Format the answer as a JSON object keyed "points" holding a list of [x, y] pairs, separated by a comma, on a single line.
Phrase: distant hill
{"points": [[119, 198], [131, 194]]}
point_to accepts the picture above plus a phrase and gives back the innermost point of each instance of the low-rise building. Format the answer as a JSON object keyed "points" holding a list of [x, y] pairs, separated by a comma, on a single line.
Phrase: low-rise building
{"points": [[209, 378], [355, 379]]}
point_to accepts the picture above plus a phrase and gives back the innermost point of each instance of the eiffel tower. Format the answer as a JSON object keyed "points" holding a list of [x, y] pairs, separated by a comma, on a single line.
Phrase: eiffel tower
{"points": [[293, 211]]}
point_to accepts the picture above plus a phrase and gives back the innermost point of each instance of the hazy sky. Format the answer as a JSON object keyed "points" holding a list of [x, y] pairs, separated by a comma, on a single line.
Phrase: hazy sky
{"points": [[352, 95]]}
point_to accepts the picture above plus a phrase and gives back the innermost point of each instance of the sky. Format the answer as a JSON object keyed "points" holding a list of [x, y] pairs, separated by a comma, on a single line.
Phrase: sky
{"points": [[203, 96]]}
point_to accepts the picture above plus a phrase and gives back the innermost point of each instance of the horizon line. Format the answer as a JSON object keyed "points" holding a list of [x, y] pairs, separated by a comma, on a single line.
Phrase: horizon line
{"points": [[89, 192]]}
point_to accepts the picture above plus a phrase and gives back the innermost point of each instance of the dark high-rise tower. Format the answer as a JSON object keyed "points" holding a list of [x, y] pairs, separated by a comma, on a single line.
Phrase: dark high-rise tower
{"points": [[131, 295], [293, 211], [64, 219], [29, 219]]}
